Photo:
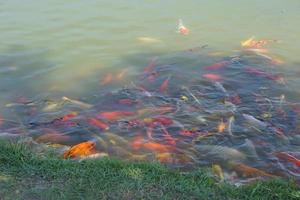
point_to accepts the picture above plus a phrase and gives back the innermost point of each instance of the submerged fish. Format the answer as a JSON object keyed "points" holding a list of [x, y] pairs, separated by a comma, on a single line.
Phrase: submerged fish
{"points": [[182, 29], [217, 170], [248, 171], [148, 40], [157, 147], [221, 127], [115, 115], [164, 86], [212, 77], [218, 65], [100, 124], [221, 87], [230, 123], [255, 122], [108, 78], [287, 157], [78, 103], [221, 153]]}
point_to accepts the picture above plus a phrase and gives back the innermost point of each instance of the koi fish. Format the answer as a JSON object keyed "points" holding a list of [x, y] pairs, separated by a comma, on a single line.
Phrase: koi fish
{"points": [[157, 147], [217, 170], [164, 86], [1, 120], [137, 143], [250, 171], [161, 120], [221, 88], [115, 115], [287, 157], [275, 77], [148, 40], [53, 137], [235, 99], [216, 66], [252, 43], [221, 153], [255, 122], [81, 150], [164, 157], [182, 29], [100, 124], [122, 74], [150, 67], [221, 127], [163, 109], [127, 102], [78, 103], [212, 77], [150, 130], [108, 78], [69, 117], [188, 133], [230, 122], [170, 140]]}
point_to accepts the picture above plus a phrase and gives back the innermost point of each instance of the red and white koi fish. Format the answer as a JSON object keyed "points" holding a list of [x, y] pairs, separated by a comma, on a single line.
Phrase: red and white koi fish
{"points": [[287, 157], [182, 29]]}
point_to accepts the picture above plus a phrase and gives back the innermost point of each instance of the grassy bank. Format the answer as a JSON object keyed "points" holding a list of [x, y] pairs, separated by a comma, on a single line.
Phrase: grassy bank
{"points": [[24, 175]]}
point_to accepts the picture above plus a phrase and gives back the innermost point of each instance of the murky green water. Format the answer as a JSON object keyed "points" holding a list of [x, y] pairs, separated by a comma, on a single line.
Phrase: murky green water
{"points": [[51, 49]]}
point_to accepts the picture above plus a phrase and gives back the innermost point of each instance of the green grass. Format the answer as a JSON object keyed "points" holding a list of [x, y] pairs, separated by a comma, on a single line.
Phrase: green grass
{"points": [[26, 175]]}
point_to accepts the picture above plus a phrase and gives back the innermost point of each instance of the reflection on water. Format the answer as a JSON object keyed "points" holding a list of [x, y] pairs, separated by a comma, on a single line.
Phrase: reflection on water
{"points": [[132, 83]]}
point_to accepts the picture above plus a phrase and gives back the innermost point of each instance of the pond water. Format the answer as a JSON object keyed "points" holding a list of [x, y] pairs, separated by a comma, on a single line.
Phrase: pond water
{"points": [[120, 74]]}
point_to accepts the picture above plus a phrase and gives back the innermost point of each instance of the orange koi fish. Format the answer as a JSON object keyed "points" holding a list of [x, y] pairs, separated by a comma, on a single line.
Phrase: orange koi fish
{"points": [[157, 147], [182, 29], [137, 142], [216, 66], [81, 150], [115, 115], [164, 86], [69, 117], [100, 124], [250, 171], [212, 77], [221, 127], [287, 157], [108, 78]]}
